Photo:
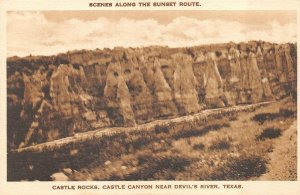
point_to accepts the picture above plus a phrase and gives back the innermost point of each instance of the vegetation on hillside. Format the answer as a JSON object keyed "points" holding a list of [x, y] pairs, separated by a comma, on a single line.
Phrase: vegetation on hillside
{"points": [[231, 147]]}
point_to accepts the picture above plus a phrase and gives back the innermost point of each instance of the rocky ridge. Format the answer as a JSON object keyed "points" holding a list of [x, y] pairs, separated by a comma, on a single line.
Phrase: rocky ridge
{"points": [[51, 97]]}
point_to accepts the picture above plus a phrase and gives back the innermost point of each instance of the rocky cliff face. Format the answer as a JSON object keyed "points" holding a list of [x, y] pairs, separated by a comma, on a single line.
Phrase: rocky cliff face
{"points": [[51, 97]]}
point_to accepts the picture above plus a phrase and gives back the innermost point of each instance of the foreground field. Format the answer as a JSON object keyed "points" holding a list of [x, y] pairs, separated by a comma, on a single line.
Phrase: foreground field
{"points": [[235, 146]]}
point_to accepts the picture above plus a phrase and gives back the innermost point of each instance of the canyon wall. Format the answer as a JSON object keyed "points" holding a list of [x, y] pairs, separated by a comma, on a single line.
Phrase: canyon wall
{"points": [[51, 97]]}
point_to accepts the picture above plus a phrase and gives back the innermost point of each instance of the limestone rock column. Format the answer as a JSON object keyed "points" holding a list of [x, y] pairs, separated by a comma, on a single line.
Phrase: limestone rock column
{"points": [[279, 56], [141, 97], [235, 66], [254, 79], [289, 62], [118, 97], [234, 83], [213, 83], [185, 93], [163, 103]]}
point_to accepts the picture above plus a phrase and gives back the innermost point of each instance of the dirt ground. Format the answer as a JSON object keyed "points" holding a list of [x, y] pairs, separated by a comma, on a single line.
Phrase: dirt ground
{"points": [[283, 159]]}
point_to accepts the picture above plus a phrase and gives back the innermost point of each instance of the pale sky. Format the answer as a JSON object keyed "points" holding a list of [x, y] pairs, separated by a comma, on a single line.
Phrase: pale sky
{"points": [[52, 32]]}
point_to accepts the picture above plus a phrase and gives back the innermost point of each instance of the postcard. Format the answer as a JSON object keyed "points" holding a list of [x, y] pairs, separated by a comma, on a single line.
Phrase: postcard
{"points": [[149, 97]]}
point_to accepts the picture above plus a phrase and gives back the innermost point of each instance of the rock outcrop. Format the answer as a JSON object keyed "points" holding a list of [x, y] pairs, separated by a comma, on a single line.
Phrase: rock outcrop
{"points": [[118, 97], [213, 83], [51, 97], [185, 94], [141, 99], [163, 103], [254, 78]]}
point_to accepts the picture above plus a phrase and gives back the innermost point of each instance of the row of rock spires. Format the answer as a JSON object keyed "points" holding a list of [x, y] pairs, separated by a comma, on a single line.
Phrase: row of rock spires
{"points": [[133, 89]]}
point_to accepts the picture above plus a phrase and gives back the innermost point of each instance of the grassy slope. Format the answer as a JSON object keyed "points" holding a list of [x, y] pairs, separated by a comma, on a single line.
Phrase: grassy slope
{"points": [[226, 148], [283, 160], [231, 147]]}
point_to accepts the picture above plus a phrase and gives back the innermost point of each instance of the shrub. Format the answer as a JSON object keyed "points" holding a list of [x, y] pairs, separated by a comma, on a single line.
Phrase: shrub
{"points": [[215, 127], [233, 117], [286, 112], [220, 145], [198, 146], [241, 168], [262, 117], [145, 158], [199, 132], [283, 112], [188, 133], [269, 133], [155, 166], [144, 141], [159, 129]]}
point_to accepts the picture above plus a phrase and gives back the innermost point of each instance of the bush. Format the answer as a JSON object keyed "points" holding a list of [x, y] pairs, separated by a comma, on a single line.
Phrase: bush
{"points": [[188, 133], [198, 146], [241, 168], [220, 145], [215, 127], [159, 129], [144, 141], [283, 113], [159, 167], [233, 117], [269, 133], [261, 118], [286, 112], [199, 132]]}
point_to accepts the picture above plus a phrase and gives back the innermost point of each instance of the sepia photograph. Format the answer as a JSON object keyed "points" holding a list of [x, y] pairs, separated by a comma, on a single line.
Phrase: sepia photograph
{"points": [[152, 95]]}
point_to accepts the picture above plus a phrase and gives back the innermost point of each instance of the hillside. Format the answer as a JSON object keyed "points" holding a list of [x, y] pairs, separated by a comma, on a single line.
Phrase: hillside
{"points": [[52, 97], [238, 143]]}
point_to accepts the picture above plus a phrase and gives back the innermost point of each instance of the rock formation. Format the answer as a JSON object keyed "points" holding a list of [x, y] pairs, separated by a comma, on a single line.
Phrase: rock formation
{"points": [[185, 94], [51, 97], [279, 57], [118, 97], [141, 99], [213, 83], [235, 65], [254, 78], [234, 82], [163, 100]]}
